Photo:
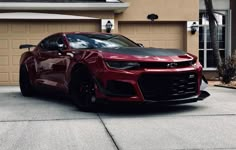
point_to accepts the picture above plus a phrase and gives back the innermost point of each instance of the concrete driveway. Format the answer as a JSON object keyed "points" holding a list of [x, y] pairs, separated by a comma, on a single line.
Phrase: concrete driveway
{"points": [[53, 123]]}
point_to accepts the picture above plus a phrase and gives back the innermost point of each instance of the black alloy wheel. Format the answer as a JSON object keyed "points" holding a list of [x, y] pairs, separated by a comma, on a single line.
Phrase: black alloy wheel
{"points": [[24, 81], [82, 90]]}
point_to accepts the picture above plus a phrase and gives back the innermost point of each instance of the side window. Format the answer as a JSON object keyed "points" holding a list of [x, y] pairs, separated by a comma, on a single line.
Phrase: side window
{"points": [[53, 43], [44, 44]]}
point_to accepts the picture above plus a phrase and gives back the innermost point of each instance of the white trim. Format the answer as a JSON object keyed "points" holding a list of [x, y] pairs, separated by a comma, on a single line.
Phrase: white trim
{"points": [[210, 69], [116, 7], [30, 15], [229, 30]]}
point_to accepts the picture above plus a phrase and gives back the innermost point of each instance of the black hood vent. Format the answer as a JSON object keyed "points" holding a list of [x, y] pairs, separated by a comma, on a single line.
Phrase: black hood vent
{"points": [[138, 51]]}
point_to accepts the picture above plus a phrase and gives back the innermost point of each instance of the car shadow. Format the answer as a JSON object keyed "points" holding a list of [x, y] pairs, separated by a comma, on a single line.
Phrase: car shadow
{"points": [[124, 109], [146, 109]]}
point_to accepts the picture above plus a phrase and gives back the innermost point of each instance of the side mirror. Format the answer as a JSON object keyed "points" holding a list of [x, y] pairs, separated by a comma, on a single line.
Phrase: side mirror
{"points": [[56, 46], [140, 44], [60, 47]]}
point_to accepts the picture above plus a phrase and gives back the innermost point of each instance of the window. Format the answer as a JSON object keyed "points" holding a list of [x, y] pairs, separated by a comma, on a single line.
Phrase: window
{"points": [[49, 44], [206, 56], [89, 41]]}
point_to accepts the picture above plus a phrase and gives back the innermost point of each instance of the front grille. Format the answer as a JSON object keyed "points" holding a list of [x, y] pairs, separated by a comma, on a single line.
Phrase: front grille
{"points": [[164, 65], [158, 87]]}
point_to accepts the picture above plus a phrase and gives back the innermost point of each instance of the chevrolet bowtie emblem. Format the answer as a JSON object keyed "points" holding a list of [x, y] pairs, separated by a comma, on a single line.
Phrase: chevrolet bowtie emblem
{"points": [[172, 65]]}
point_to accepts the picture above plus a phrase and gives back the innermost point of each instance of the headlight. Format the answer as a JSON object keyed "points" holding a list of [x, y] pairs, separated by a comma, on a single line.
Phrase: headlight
{"points": [[193, 62], [122, 65]]}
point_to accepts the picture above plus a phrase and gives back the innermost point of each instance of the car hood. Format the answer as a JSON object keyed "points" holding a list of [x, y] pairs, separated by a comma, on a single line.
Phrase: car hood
{"points": [[145, 54]]}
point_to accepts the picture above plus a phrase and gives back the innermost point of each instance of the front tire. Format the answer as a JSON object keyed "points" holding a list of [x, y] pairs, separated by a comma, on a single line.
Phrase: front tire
{"points": [[24, 81], [82, 90]]}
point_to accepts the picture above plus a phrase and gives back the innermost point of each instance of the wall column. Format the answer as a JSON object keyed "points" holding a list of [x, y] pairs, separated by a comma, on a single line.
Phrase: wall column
{"points": [[192, 42]]}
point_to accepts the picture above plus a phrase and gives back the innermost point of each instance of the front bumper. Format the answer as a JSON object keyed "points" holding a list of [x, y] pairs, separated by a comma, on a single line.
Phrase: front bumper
{"points": [[182, 85]]}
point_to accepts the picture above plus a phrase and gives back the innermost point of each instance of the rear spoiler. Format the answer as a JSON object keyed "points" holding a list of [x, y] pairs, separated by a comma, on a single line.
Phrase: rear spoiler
{"points": [[26, 46]]}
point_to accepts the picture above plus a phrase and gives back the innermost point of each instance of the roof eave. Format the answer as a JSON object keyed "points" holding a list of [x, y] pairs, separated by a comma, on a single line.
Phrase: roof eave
{"points": [[116, 7]]}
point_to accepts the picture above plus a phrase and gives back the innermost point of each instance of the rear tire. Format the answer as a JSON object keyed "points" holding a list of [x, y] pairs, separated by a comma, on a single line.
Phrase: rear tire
{"points": [[82, 90], [24, 81]]}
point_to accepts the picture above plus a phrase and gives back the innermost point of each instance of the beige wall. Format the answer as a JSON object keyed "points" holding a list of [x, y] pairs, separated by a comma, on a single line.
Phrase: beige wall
{"points": [[167, 10], [192, 43], [172, 24]]}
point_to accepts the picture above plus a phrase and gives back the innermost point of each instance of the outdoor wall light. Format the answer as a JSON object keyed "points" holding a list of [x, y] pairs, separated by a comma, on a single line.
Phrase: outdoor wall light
{"points": [[152, 17], [108, 26], [194, 28]]}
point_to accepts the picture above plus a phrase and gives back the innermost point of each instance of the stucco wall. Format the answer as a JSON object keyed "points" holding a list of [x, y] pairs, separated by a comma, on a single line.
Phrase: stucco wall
{"points": [[167, 10]]}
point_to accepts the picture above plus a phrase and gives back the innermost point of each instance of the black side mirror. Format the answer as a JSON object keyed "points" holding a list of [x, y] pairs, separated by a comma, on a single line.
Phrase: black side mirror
{"points": [[140, 44], [56, 46], [60, 47]]}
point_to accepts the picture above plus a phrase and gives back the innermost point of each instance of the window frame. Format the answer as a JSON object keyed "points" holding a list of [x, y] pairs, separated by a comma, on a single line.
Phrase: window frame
{"points": [[55, 37], [205, 49]]}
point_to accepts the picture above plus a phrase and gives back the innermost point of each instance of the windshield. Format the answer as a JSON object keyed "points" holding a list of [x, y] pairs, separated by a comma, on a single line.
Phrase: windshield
{"points": [[86, 41]]}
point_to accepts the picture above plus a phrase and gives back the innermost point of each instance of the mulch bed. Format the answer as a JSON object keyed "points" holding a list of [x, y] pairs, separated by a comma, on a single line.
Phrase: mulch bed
{"points": [[231, 85]]}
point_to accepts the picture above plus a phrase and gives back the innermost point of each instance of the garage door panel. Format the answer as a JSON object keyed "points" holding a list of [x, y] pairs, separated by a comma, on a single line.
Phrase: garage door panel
{"points": [[52, 28], [165, 36], [4, 60], [3, 44], [68, 27], [35, 41], [15, 77], [142, 36], [19, 28], [144, 42], [15, 60], [174, 28], [142, 29], [159, 43], [128, 29], [15, 33], [3, 28], [159, 29], [16, 42], [4, 68], [162, 35], [37, 28], [89, 27], [174, 44], [4, 77]]}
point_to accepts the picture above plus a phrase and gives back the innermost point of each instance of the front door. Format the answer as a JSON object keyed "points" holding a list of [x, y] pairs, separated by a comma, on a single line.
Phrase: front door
{"points": [[52, 64]]}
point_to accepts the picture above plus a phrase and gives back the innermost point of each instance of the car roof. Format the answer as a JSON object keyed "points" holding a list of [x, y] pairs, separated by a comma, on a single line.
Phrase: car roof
{"points": [[87, 33]]}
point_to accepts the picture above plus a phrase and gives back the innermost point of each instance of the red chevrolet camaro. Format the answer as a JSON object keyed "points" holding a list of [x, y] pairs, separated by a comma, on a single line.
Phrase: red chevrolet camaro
{"points": [[91, 67]]}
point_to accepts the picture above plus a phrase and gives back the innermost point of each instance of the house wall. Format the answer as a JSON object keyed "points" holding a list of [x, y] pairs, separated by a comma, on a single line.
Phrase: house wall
{"points": [[167, 10], [168, 31]]}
